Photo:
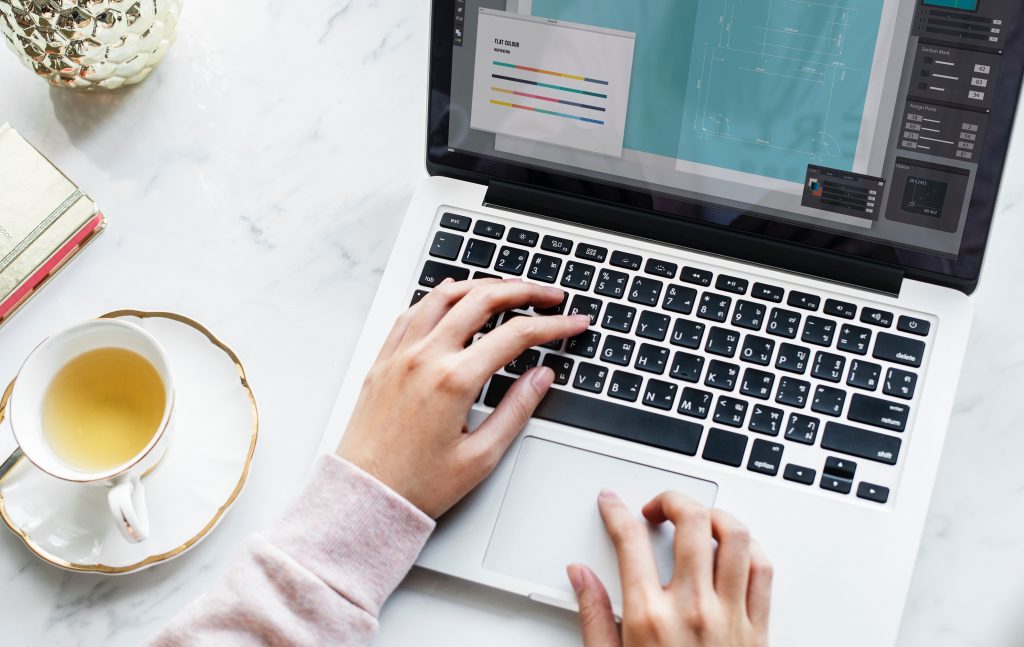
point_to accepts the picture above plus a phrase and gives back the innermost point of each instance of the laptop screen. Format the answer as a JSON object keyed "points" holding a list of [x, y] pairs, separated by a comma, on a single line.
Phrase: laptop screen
{"points": [[865, 118]]}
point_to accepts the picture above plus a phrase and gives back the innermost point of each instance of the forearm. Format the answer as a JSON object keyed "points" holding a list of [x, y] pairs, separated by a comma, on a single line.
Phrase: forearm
{"points": [[322, 574]]}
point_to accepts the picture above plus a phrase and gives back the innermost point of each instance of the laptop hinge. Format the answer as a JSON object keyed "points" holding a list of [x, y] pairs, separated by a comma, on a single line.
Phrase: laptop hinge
{"points": [[650, 225]]}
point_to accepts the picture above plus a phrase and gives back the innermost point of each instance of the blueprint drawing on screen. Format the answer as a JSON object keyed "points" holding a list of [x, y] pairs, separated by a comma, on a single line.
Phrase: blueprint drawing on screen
{"points": [[760, 86]]}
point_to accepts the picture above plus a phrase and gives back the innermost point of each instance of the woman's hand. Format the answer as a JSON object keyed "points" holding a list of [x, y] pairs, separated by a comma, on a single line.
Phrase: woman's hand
{"points": [[714, 599], [409, 426]]}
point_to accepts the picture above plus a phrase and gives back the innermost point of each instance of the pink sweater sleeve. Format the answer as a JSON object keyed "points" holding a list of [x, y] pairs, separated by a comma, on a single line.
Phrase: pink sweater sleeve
{"points": [[320, 576]]}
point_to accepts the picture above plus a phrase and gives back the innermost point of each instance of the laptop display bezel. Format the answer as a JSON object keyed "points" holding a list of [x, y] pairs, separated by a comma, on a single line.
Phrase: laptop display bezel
{"points": [[960, 273]]}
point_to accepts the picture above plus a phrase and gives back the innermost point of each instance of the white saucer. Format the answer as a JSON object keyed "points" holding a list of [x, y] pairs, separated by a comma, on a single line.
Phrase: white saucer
{"points": [[204, 470]]}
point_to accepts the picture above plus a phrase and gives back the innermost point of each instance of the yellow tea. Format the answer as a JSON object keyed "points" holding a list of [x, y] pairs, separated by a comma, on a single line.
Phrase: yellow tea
{"points": [[102, 408]]}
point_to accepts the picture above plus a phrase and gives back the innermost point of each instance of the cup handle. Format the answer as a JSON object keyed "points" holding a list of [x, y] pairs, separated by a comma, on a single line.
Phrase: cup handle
{"points": [[127, 502]]}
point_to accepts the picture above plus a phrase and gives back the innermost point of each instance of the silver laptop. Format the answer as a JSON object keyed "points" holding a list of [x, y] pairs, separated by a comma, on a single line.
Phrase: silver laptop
{"points": [[774, 213]]}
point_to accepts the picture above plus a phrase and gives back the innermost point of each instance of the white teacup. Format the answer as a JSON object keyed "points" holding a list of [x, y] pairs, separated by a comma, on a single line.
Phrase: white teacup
{"points": [[126, 497]]}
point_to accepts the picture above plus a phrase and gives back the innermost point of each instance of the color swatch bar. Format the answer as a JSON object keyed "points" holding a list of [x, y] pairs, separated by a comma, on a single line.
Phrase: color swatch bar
{"points": [[550, 86], [543, 98], [539, 71], [546, 112]]}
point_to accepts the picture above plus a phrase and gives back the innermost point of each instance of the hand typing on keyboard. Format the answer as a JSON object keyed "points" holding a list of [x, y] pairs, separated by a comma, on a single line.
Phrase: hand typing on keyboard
{"points": [[714, 599], [408, 428]]}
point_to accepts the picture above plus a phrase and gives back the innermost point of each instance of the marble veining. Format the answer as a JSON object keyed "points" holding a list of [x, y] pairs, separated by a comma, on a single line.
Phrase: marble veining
{"points": [[262, 197]]}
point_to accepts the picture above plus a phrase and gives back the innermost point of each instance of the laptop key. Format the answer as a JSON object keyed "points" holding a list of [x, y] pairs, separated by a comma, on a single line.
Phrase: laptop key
{"points": [[626, 261], [757, 384], [802, 429], [913, 326], [589, 306], [526, 360], [687, 367], [590, 377], [749, 315], [609, 418], [730, 411], [446, 245], [765, 457], [591, 252], [899, 350], [611, 283], [645, 291], [652, 359], [840, 309], [554, 310], [854, 339], [798, 474], [695, 403], [456, 221], [793, 358], [417, 296], [757, 350], [840, 467], [828, 367], [836, 484], [714, 307], [861, 443], [876, 317], [828, 401], [511, 261], [679, 299], [578, 276], [803, 300], [722, 375], [879, 413], [435, 272], [479, 252], [618, 350], [625, 386], [489, 229], [725, 447], [556, 245], [544, 268], [523, 237], [656, 267], [484, 275], [584, 344], [766, 420], [818, 331], [722, 341], [900, 384], [660, 395], [766, 292], [618, 317], [561, 365], [695, 276], [732, 284], [871, 492], [784, 323], [687, 334], [864, 375], [793, 392], [653, 325]]}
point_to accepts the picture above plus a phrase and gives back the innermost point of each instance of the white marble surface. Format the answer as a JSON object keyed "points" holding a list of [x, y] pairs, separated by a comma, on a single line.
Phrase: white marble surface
{"points": [[262, 196]]}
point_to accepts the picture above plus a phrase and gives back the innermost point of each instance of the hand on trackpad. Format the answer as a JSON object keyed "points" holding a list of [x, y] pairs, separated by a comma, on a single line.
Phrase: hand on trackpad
{"points": [[549, 516]]}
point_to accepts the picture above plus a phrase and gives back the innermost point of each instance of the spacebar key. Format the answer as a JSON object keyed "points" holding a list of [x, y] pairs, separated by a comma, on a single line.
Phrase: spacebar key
{"points": [[606, 418]]}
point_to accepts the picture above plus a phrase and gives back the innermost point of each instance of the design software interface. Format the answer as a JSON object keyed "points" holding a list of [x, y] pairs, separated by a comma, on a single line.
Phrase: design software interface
{"points": [[865, 117]]}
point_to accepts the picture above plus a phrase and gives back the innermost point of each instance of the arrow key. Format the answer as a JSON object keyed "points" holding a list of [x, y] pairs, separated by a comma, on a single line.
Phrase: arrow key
{"points": [[871, 492], [801, 475]]}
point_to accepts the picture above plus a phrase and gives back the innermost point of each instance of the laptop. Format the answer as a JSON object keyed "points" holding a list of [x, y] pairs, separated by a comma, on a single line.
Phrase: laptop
{"points": [[775, 214]]}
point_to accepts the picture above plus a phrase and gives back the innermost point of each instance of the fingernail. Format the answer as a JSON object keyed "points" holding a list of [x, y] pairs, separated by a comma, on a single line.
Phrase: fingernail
{"points": [[575, 574], [554, 292], [541, 379], [608, 495]]}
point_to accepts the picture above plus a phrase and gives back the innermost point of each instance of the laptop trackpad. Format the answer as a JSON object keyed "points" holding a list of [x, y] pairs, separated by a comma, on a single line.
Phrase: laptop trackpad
{"points": [[549, 516]]}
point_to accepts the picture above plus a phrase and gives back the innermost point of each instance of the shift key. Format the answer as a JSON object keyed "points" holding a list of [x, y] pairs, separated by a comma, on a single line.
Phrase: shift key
{"points": [[861, 443]]}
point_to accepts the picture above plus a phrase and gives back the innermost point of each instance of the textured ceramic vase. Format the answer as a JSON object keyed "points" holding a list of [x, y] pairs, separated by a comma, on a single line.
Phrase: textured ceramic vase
{"points": [[90, 44]]}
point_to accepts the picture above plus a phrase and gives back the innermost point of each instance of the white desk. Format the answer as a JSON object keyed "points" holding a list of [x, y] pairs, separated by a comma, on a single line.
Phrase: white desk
{"points": [[262, 198]]}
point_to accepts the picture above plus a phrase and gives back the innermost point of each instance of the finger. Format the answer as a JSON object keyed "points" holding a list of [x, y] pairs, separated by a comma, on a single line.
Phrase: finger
{"points": [[398, 331], [637, 569], [694, 569], [433, 307], [474, 310], [502, 345], [759, 593], [596, 620], [732, 563], [492, 438]]}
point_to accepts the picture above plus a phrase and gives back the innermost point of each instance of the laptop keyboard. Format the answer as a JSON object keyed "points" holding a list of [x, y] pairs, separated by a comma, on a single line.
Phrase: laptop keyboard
{"points": [[782, 383]]}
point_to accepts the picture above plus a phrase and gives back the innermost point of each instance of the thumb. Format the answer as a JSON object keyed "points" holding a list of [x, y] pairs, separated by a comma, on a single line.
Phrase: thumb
{"points": [[514, 411], [596, 620]]}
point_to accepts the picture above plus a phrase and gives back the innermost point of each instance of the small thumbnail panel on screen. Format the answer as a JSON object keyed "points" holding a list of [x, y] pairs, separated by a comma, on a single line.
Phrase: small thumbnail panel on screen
{"points": [[966, 5]]}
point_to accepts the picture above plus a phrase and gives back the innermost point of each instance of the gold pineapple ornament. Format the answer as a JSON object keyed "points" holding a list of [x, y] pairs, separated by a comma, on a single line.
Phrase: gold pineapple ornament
{"points": [[90, 44]]}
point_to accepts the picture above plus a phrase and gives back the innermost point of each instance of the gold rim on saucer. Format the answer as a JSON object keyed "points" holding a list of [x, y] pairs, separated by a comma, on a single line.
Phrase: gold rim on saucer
{"points": [[174, 552]]}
